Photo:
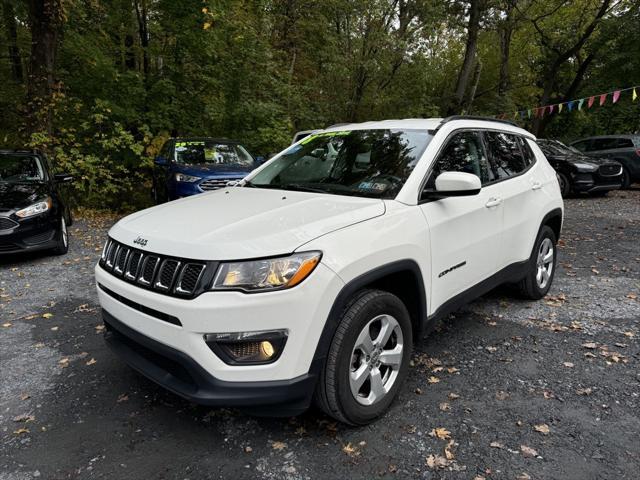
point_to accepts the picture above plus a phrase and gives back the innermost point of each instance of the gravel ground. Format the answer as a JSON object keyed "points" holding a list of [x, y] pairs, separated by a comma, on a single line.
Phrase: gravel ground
{"points": [[505, 389]]}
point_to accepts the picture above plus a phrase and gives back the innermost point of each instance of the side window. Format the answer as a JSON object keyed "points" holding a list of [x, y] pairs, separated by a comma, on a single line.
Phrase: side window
{"points": [[624, 143], [505, 154], [529, 156], [604, 144], [583, 146], [464, 152]]}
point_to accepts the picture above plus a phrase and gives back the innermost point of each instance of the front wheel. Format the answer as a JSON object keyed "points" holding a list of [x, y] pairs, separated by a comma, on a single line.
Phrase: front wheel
{"points": [[63, 238], [565, 186], [626, 179], [542, 266], [368, 358]]}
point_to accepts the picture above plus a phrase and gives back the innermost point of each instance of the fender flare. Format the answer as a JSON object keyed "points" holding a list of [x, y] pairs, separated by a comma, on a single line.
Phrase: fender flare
{"points": [[358, 283]]}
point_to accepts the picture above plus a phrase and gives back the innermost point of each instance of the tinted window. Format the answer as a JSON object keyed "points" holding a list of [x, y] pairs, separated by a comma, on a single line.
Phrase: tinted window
{"points": [[199, 152], [20, 169], [505, 154], [610, 143], [463, 153], [583, 146], [365, 163], [529, 156]]}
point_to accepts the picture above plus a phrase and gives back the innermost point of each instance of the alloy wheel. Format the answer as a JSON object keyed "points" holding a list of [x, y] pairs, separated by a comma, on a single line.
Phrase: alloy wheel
{"points": [[376, 359], [544, 263]]}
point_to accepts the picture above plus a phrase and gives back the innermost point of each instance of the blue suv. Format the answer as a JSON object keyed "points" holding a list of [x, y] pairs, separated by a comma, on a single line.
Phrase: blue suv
{"points": [[186, 166]]}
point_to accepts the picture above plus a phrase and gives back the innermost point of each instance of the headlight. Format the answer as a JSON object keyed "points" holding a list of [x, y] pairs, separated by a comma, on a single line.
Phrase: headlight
{"points": [[181, 177], [35, 209], [585, 167], [268, 274]]}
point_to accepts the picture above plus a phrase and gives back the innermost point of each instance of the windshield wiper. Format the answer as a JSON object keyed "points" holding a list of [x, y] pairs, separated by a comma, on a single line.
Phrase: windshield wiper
{"points": [[301, 188]]}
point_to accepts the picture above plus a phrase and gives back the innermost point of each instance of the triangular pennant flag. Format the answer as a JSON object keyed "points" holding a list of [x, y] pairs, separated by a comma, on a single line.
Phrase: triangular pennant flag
{"points": [[580, 103], [616, 96], [515, 115], [590, 102], [559, 108], [603, 98], [551, 109], [522, 114], [570, 105], [542, 110], [634, 96], [529, 113]]}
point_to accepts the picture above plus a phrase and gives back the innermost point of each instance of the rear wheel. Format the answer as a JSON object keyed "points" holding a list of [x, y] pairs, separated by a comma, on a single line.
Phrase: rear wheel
{"points": [[368, 358], [626, 178], [542, 266], [63, 238]]}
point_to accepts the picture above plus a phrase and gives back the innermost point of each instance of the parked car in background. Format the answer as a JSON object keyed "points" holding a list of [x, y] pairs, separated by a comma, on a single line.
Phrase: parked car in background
{"points": [[34, 213], [579, 173], [622, 148], [187, 166], [315, 274]]}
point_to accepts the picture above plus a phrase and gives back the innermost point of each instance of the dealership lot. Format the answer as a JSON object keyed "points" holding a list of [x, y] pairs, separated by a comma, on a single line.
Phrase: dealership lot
{"points": [[504, 389]]}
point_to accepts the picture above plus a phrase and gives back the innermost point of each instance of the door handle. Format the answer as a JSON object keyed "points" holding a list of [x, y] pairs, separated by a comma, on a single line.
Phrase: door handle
{"points": [[536, 186], [493, 202]]}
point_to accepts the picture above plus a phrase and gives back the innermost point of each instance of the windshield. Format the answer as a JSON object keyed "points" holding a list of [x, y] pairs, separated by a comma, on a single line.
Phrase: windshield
{"points": [[199, 152], [20, 169], [367, 163], [557, 147]]}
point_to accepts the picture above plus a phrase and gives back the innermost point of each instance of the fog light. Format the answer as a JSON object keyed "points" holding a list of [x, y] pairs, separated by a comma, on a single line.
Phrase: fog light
{"points": [[247, 348], [267, 348]]}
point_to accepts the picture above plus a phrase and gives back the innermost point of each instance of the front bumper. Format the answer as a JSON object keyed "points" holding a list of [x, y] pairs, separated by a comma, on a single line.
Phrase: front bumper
{"points": [[180, 374], [301, 310], [35, 233], [594, 182]]}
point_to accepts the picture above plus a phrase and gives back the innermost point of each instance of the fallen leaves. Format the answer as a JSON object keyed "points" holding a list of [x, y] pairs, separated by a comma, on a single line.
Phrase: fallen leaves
{"points": [[528, 452], [436, 462], [543, 428], [91, 362], [279, 446], [441, 433], [568, 364], [24, 418], [47, 315], [64, 362], [7, 325], [99, 328], [433, 379], [584, 391], [123, 397], [444, 406], [590, 345], [351, 450], [21, 431], [496, 445]]}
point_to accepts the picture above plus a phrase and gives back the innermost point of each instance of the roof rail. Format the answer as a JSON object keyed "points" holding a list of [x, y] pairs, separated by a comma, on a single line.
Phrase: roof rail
{"points": [[337, 125], [477, 117]]}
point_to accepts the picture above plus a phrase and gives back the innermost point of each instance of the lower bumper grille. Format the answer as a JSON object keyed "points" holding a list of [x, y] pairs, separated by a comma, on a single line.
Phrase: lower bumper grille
{"points": [[7, 223], [610, 170]]}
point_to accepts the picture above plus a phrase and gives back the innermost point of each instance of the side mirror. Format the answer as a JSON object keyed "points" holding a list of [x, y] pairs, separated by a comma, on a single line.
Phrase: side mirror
{"points": [[161, 161], [454, 184], [63, 178]]}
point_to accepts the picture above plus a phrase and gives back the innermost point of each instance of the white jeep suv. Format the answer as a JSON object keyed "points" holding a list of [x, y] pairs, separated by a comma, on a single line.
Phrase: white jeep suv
{"points": [[313, 277]]}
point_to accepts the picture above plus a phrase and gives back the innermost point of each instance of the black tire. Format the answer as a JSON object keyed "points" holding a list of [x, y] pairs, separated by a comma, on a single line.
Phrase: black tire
{"points": [[529, 286], [626, 179], [333, 393], [565, 186], [63, 238]]}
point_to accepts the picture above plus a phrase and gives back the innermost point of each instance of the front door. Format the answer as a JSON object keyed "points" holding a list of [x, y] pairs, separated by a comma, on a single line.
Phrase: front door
{"points": [[466, 232]]}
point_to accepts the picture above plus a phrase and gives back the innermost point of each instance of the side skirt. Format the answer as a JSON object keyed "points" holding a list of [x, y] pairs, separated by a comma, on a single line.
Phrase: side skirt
{"points": [[511, 273]]}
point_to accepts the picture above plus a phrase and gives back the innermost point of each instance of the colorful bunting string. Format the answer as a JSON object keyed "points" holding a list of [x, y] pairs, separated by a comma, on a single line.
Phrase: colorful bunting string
{"points": [[578, 103]]}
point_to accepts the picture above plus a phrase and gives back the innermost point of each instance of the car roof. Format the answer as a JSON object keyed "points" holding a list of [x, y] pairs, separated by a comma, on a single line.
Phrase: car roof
{"points": [[434, 124], [623, 135], [8, 151]]}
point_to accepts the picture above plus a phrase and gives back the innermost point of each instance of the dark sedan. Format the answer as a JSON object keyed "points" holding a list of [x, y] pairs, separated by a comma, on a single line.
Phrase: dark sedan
{"points": [[33, 213], [578, 173]]}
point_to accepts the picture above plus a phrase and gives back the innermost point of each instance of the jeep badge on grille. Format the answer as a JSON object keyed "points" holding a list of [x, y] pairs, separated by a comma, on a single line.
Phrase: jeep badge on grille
{"points": [[140, 241]]}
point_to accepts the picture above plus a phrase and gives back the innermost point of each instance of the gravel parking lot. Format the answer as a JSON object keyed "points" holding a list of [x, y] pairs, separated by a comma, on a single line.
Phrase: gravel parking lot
{"points": [[505, 389]]}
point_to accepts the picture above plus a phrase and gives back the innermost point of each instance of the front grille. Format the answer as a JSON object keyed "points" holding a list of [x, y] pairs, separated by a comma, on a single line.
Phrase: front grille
{"points": [[7, 223], [179, 277], [8, 247], [610, 170], [216, 183]]}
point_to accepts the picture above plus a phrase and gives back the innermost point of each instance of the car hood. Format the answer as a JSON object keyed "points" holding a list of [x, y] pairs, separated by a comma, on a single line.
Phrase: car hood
{"points": [[238, 223], [581, 159], [14, 196], [214, 170]]}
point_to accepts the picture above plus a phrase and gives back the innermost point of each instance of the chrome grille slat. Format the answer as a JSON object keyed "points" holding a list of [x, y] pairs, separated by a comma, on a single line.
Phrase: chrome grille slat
{"points": [[184, 278], [216, 183]]}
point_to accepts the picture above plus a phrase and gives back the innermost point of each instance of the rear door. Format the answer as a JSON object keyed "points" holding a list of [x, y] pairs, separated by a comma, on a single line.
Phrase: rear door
{"points": [[465, 231], [520, 183]]}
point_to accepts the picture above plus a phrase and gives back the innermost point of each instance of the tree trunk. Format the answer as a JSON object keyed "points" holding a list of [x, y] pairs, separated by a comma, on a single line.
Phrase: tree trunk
{"points": [[143, 31], [473, 28], [472, 93], [12, 41], [45, 20]]}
